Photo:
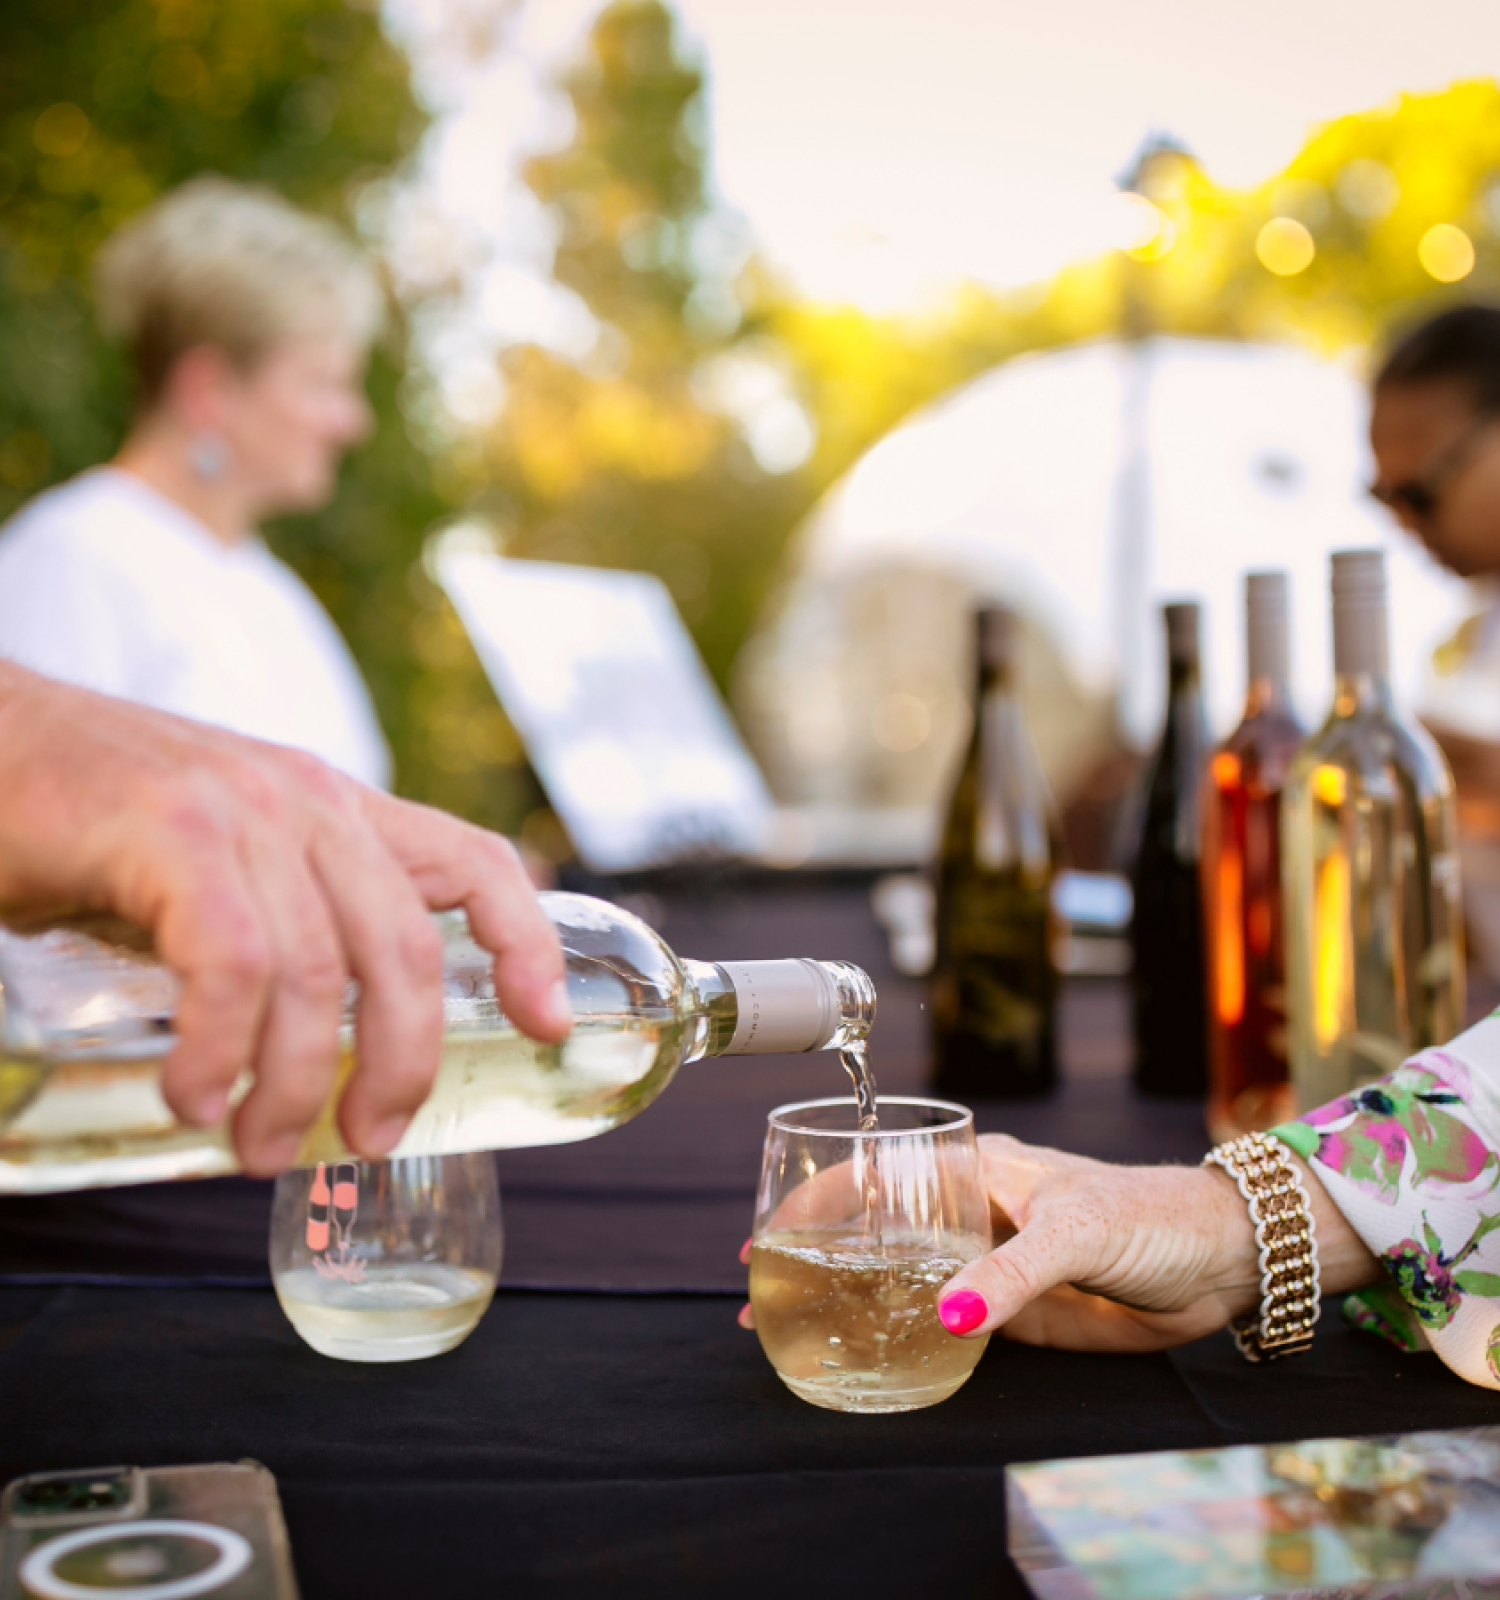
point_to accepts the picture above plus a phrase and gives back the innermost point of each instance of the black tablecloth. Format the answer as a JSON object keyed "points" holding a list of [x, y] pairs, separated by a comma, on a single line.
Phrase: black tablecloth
{"points": [[632, 1442], [586, 1444]]}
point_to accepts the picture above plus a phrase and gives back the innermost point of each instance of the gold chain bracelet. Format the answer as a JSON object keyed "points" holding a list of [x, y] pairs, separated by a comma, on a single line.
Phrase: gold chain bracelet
{"points": [[1282, 1216]]}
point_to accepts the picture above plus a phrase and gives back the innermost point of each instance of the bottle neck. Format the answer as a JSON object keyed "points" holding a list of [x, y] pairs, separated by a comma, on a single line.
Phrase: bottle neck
{"points": [[1183, 679], [775, 1007], [995, 678], [1268, 647], [997, 709], [1361, 634], [1267, 693], [1357, 693], [1360, 638]]}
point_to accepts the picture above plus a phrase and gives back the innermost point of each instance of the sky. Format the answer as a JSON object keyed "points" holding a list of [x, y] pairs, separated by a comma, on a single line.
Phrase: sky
{"points": [[881, 151], [982, 137]]}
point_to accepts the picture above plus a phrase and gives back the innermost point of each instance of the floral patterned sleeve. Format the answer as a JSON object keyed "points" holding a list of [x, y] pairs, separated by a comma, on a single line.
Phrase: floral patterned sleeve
{"points": [[1413, 1161]]}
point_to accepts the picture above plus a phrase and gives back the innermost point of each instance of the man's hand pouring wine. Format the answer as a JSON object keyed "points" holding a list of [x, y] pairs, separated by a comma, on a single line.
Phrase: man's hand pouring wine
{"points": [[268, 881]]}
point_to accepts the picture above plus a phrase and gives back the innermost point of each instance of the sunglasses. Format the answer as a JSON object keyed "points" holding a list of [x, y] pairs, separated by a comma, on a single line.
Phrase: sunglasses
{"points": [[1417, 498]]}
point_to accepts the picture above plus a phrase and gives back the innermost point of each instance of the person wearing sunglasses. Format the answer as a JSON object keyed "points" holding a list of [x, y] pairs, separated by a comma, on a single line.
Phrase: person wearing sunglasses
{"points": [[1435, 432]]}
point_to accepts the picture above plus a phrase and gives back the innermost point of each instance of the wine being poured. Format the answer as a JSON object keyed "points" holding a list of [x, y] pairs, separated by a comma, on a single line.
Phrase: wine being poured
{"points": [[856, 1061]]}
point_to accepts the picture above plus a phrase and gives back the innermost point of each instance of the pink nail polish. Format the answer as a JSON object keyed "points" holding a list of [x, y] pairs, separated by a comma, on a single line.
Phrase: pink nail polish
{"points": [[745, 1252], [962, 1311]]}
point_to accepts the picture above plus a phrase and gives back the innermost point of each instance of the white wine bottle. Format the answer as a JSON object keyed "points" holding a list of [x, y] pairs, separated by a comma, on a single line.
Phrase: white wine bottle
{"points": [[86, 1020], [1375, 953], [994, 989]]}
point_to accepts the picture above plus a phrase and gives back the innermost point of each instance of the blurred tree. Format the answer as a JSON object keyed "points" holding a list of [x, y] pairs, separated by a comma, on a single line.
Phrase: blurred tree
{"points": [[1382, 218], [106, 103], [672, 446], [1401, 206]]}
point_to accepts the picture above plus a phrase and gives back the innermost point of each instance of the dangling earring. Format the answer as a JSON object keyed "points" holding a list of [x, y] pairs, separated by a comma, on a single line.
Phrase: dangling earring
{"points": [[209, 456]]}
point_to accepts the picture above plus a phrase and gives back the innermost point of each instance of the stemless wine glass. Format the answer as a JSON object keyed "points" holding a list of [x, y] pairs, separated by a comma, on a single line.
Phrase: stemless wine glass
{"points": [[387, 1260], [855, 1234]]}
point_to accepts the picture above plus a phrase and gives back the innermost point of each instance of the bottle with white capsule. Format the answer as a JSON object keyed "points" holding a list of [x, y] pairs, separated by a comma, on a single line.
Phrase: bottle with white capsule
{"points": [[1375, 944], [86, 1022]]}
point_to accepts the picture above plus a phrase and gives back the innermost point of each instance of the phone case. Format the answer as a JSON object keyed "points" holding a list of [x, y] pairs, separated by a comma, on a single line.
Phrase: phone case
{"points": [[145, 1533]]}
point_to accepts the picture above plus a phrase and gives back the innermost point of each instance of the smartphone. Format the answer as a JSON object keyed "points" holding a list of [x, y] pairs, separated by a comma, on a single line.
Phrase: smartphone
{"points": [[145, 1533]]}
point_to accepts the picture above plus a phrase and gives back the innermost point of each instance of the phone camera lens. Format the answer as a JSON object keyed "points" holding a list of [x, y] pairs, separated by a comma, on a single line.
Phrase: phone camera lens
{"points": [[66, 1496]]}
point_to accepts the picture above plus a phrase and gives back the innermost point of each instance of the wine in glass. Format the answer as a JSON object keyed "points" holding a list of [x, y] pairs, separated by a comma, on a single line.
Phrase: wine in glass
{"points": [[387, 1260], [856, 1232]]}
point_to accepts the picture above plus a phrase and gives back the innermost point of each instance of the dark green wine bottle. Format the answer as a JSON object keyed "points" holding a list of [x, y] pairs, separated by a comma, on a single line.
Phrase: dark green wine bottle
{"points": [[1168, 970], [994, 988]]}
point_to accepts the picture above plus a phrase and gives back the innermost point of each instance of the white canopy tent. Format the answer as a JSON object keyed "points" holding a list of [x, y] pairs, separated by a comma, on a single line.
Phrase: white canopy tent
{"points": [[1089, 485]]}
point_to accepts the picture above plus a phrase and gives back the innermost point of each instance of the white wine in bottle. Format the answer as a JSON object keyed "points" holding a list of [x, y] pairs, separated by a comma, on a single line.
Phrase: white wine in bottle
{"points": [[1375, 951], [994, 988], [86, 1021]]}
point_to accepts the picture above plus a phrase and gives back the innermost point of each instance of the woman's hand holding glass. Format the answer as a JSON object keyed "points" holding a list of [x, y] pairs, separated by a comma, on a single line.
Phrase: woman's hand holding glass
{"points": [[1094, 1256], [1102, 1257]]}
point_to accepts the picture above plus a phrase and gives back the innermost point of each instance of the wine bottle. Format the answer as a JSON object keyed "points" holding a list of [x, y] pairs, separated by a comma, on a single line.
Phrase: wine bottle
{"points": [[1247, 1027], [86, 1019], [1167, 967], [1375, 951], [994, 989]]}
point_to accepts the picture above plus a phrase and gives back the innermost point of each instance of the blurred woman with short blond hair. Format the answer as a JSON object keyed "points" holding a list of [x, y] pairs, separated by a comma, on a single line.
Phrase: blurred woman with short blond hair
{"points": [[247, 323]]}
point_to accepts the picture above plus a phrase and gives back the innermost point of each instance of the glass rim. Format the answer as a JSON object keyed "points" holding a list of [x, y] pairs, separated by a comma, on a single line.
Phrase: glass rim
{"points": [[779, 1117]]}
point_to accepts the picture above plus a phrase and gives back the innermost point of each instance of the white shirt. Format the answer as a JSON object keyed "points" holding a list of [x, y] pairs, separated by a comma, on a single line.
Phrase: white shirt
{"points": [[107, 584]]}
